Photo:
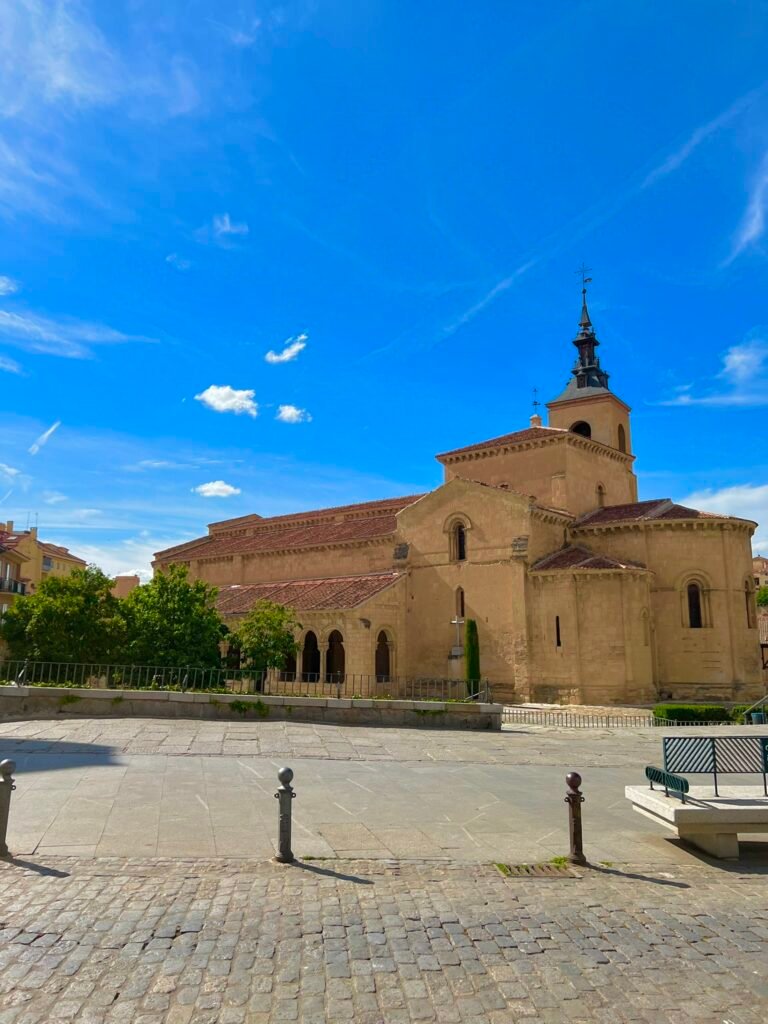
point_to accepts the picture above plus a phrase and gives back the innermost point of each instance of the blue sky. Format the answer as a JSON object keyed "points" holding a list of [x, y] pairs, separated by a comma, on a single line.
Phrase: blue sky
{"points": [[391, 199]]}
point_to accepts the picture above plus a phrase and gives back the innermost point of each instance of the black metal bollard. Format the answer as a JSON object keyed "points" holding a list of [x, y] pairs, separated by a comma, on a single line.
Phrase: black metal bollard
{"points": [[7, 768], [285, 795], [574, 799]]}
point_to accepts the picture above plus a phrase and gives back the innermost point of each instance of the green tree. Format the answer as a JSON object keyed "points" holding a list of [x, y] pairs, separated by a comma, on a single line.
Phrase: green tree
{"points": [[172, 622], [762, 597], [71, 618], [266, 636], [472, 657]]}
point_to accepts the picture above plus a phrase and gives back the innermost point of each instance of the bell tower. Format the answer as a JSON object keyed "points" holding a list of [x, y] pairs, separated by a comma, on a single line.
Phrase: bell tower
{"points": [[587, 406]]}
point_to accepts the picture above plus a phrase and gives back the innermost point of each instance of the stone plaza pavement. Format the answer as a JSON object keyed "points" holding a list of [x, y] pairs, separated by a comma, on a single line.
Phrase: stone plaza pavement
{"points": [[378, 942], [141, 891]]}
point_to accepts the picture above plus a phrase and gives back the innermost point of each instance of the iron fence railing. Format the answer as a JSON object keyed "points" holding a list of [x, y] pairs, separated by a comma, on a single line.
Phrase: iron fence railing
{"points": [[270, 682], [577, 720]]}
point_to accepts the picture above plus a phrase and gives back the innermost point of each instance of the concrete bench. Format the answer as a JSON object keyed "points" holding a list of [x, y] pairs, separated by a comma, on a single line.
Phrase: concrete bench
{"points": [[712, 823]]}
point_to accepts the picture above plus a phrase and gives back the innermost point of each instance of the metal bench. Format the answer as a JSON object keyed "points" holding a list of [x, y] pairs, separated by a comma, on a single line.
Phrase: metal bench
{"points": [[717, 755], [669, 781]]}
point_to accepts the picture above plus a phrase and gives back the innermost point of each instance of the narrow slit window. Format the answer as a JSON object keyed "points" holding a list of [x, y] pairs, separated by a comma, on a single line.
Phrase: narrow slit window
{"points": [[459, 542], [558, 640], [695, 618]]}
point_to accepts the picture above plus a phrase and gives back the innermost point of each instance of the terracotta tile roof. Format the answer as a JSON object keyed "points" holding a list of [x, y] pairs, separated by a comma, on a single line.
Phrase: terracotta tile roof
{"points": [[60, 552], [299, 530], [578, 557], [307, 595], [529, 434], [643, 511], [10, 542], [360, 508]]}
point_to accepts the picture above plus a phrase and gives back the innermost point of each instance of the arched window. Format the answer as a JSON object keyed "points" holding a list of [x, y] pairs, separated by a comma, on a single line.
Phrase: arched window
{"points": [[334, 659], [749, 595], [695, 615], [600, 494], [459, 542], [459, 602], [558, 638], [581, 427], [310, 659], [383, 659], [622, 438]]}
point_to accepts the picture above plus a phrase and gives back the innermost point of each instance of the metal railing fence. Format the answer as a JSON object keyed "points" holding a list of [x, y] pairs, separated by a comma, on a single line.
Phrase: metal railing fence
{"points": [[270, 682]]}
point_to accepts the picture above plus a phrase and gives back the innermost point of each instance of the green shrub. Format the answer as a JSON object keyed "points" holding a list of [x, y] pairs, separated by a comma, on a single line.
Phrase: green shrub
{"points": [[692, 712]]}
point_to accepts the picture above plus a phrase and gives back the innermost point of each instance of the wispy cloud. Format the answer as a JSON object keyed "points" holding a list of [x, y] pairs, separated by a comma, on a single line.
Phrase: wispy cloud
{"points": [[7, 285], [742, 380], [223, 398], [216, 489], [44, 438], [292, 414], [755, 217], [10, 365], [178, 261], [747, 501], [54, 497], [8, 472], [224, 225], [62, 336], [291, 349], [676, 159]]}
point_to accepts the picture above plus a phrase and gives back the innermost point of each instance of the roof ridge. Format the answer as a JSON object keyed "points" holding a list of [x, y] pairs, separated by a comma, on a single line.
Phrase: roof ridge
{"points": [[307, 513]]}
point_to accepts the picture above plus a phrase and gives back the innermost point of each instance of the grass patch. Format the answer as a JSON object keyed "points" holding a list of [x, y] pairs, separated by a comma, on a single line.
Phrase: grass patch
{"points": [[560, 862], [503, 869], [69, 698]]}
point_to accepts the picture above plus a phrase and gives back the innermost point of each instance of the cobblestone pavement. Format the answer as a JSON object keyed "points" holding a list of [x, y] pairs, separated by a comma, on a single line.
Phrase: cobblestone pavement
{"points": [[221, 942]]}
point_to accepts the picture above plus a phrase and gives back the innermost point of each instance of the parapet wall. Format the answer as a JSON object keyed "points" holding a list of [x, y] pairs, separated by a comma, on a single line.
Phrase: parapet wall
{"points": [[47, 702]]}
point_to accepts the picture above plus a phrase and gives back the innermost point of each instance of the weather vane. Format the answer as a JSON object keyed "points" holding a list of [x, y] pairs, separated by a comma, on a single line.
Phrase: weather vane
{"points": [[584, 270], [536, 402]]}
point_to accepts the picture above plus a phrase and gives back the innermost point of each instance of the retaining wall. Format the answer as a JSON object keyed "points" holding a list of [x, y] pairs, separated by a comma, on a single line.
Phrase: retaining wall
{"points": [[46, 702]]}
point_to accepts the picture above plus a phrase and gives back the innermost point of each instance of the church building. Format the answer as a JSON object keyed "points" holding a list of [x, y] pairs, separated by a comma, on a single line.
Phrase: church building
{"points": [[581, 593]]}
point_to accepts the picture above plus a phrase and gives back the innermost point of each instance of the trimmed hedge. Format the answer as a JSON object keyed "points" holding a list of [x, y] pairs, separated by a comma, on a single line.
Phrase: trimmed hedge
{"points": [[693, 713]]}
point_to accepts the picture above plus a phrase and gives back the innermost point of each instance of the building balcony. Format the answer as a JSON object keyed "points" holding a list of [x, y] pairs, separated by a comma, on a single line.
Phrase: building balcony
{"points": [[12, 587]]}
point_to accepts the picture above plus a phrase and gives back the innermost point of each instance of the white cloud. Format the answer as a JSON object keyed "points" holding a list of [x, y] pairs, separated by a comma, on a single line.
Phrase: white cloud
{"points": [[132, 556], [59, 337], [44, 438], [292, 348], [292, 414], [9, 472], [54, 497], [224, 225], [753, 222], [223, 398], [216, 489], [9, 365], [7, 285], [178, 261], [744, 371], [747, 501]]}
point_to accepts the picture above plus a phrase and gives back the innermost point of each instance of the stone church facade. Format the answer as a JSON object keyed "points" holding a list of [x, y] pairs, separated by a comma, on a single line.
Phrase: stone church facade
{"points": [[581, 593]]}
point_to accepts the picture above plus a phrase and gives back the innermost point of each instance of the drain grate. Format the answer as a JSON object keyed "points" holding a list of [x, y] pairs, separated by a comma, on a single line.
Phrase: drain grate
{"points": [[537, 871]]}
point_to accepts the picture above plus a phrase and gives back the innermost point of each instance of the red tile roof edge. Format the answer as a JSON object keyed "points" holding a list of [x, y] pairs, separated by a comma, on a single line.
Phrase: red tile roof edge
{"points": [[576, 556], [649, 511], [516, 437], [362, 506], [322, 586]]}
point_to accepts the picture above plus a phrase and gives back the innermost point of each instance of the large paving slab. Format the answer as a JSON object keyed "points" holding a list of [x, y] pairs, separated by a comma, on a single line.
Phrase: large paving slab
{"points": [[151, 941], [83, 789]]}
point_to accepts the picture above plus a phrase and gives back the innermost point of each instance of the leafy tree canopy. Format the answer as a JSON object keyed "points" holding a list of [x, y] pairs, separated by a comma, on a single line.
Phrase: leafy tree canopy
{"points": [[266, 636], [172, 622], [69, 618], [762, 597], [472, 657]]}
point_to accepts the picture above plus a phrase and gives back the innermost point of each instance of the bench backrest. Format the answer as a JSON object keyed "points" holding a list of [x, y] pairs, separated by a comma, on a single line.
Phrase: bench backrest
{"points": [[667, 780], [716, 754]]}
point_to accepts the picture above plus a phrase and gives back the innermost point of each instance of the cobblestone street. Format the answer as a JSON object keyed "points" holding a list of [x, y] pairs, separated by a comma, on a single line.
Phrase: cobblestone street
{"points": [[175, 942]]}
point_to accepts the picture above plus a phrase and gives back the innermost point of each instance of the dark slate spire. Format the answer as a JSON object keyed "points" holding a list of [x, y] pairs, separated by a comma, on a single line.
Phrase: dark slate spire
{"points": [[588, 376]]}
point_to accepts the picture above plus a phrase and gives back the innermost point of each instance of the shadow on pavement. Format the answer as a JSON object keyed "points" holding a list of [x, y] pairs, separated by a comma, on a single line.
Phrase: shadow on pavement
{"points": [[39, 869], [331, 874], [41, 754], [636, 876]]}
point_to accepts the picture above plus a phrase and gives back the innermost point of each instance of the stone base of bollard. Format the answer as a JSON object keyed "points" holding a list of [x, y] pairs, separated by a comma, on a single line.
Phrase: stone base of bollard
{"points": [[7, 768]]}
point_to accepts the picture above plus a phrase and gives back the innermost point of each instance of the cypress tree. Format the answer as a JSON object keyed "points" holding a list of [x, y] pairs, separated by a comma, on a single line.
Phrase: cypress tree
{"points": [[472, 657]]}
